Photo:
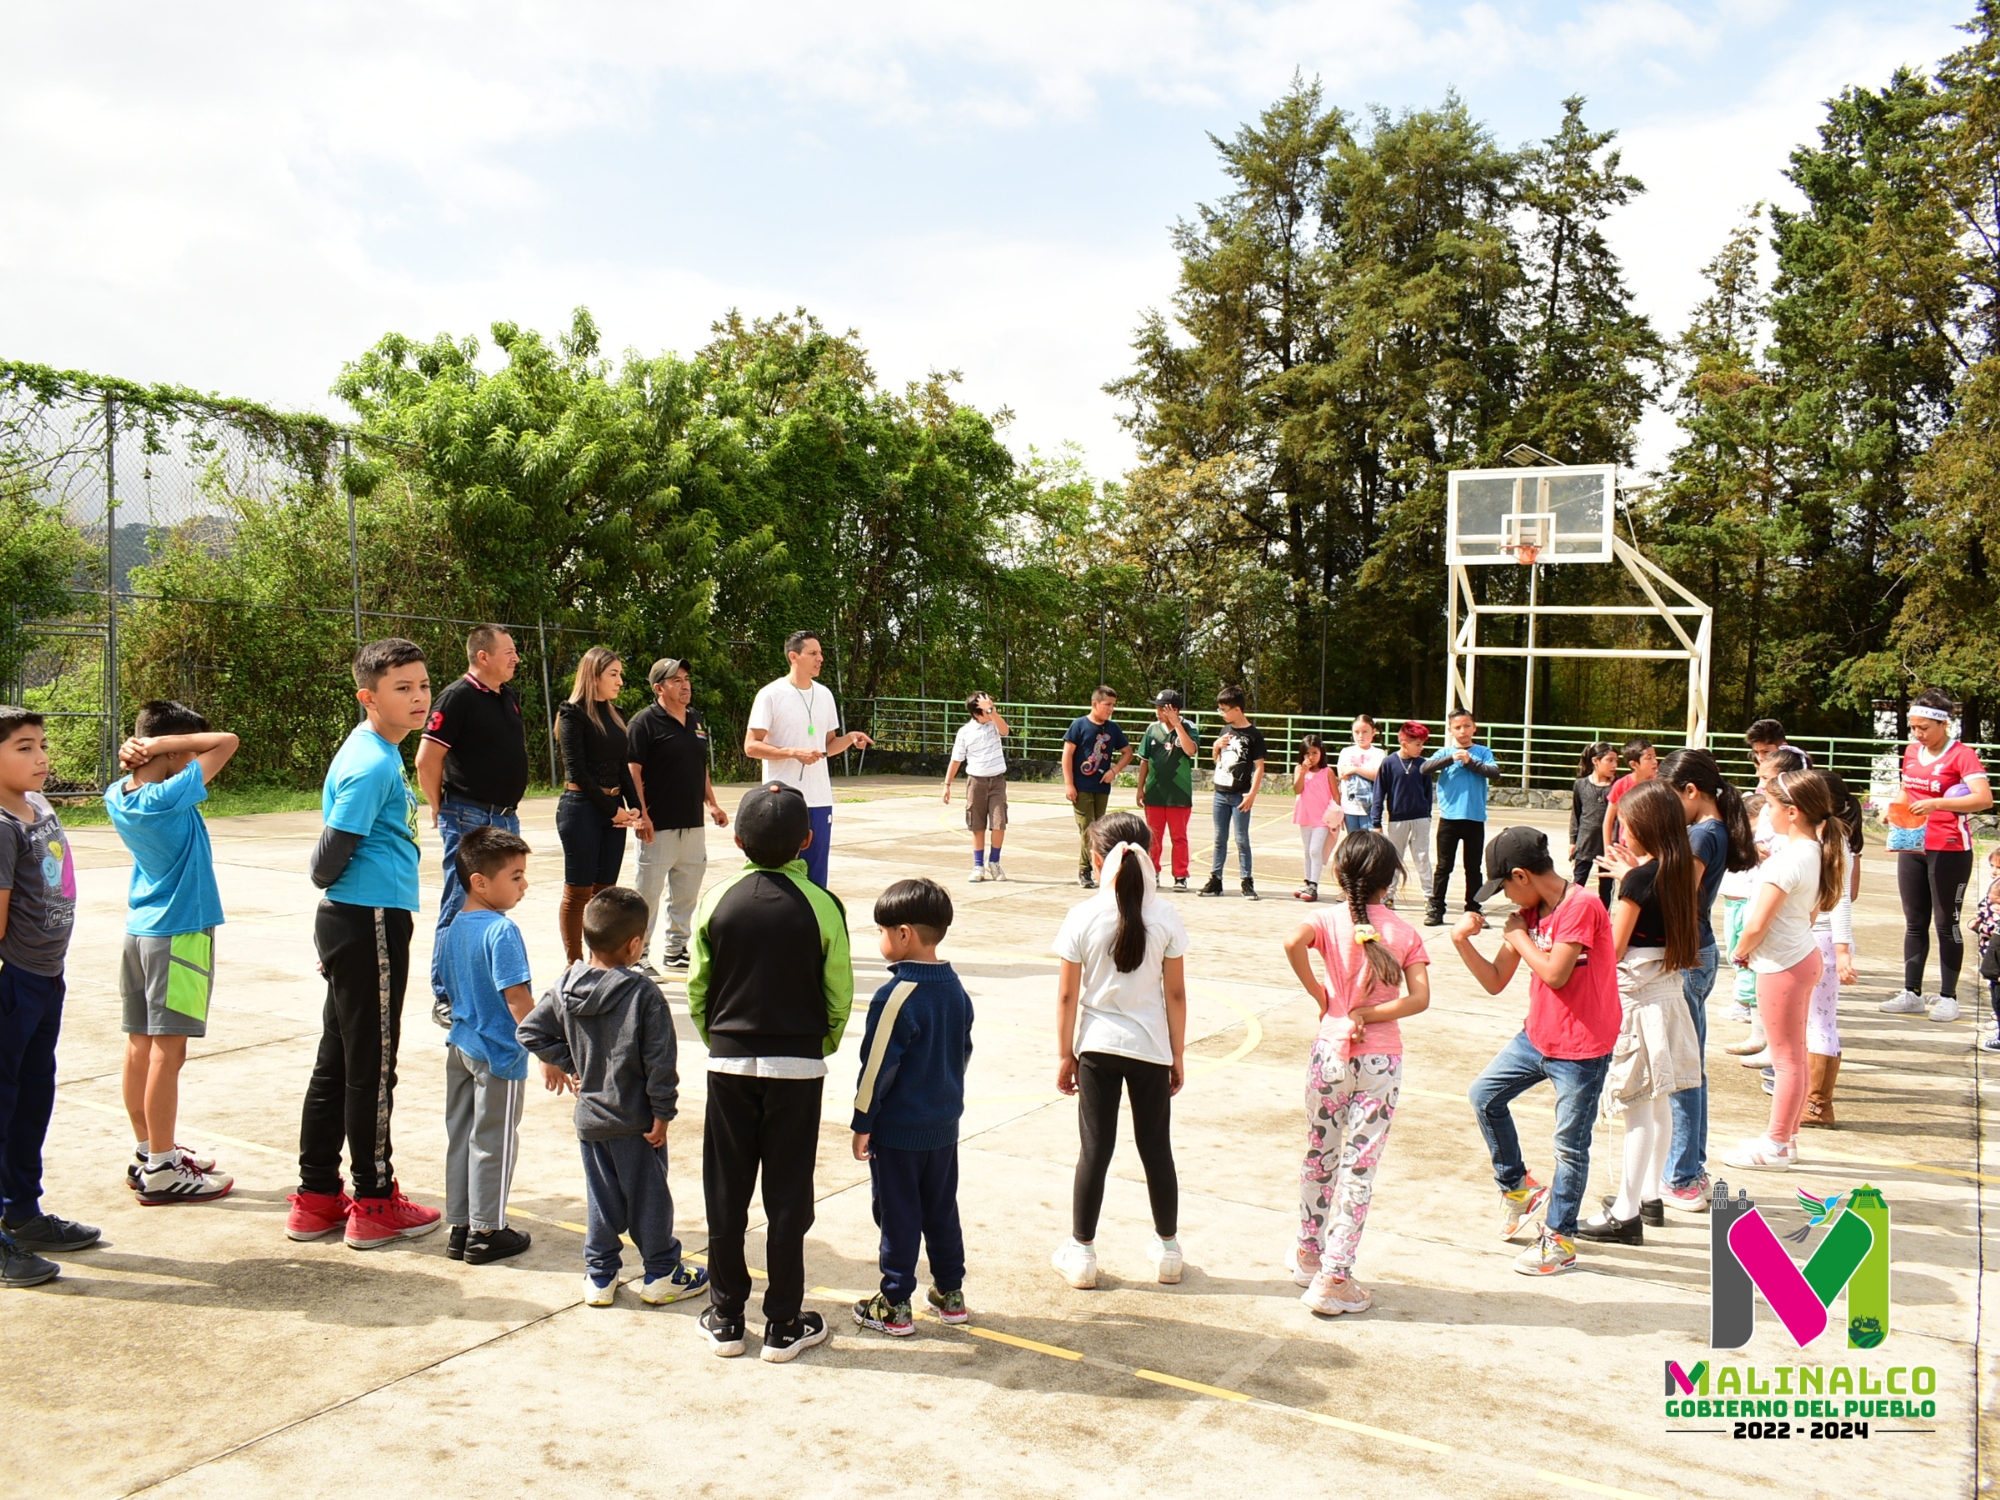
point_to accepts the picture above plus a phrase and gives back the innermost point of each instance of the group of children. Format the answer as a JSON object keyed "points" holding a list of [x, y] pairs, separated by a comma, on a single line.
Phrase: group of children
{"points": [[1618, 981]]}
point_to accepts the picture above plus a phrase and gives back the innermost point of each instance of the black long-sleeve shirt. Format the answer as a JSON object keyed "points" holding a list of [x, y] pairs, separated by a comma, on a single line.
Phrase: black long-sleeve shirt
{"points": [[594, 757]]}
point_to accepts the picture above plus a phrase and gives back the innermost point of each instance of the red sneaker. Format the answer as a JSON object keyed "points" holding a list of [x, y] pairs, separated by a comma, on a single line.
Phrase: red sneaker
{"points": [[315, 1216], [375, 1222]]}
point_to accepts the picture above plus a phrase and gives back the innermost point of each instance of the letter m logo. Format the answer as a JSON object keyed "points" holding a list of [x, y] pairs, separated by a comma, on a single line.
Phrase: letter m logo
{"points": [[1687, 1382]]}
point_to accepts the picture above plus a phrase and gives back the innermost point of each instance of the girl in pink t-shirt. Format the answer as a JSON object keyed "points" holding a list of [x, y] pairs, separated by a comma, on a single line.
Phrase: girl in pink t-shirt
{"points": [[1313, 784], [1377, 972]]}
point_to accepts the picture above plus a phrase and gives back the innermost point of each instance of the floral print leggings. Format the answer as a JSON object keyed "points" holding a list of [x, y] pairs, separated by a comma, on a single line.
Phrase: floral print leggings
{"points": [[1349, 1104]]}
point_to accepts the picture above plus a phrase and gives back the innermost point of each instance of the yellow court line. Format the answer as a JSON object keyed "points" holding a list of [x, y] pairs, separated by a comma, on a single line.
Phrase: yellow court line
{"points": [[1016, 1341], [1220, 1393], [1360, 1428]]}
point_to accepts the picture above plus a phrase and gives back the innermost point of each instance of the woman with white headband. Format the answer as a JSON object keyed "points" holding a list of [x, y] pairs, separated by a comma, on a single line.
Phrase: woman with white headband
{"points": [[1944, 782], [1121, 1021]]}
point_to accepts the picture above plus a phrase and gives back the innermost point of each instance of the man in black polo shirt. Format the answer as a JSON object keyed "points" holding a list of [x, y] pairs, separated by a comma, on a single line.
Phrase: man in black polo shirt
{"points": [[667, 747], [472, 763]]}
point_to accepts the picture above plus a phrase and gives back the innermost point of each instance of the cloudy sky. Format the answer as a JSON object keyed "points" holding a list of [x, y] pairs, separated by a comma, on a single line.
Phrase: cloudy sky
{"points": [[238, 197]]}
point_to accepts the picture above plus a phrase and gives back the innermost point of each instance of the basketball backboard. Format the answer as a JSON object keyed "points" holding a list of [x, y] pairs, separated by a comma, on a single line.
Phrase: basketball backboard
{"points": [[1488, 511]]}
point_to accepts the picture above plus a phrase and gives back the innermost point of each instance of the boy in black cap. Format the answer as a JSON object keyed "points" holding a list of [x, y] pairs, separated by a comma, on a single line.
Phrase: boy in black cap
{"points": [[769, 991], [1560, 931]]}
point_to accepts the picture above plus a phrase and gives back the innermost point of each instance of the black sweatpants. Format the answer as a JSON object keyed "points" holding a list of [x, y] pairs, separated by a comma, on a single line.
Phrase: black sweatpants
{"points": [[915, 1198], [772, 1123], [1098, 1076], [1453, 832], [364, 951], [1932, 884]]}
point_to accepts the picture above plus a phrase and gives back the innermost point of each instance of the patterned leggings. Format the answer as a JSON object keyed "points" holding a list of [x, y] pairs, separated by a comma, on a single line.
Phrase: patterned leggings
{"points": [[1348, 1109]]}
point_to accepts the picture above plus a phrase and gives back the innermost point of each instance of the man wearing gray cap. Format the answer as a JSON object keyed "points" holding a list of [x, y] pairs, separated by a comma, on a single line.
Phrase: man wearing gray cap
{"points": [[666, 746]]}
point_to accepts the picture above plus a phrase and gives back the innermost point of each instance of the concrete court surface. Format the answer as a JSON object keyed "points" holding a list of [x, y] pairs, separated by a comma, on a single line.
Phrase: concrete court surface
{"points": [[198, 1352]]}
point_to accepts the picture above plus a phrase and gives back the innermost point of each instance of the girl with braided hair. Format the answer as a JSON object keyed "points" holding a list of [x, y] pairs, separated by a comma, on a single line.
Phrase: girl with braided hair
{"points": [[1377, 972]]}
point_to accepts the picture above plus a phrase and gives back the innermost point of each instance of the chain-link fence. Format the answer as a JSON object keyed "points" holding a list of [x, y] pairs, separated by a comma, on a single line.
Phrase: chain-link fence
{"points": [[214, 552]]}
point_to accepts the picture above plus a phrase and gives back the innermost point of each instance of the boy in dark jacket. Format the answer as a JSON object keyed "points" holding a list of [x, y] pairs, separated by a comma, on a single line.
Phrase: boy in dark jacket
{"points": [[906, 1111], [769, 990], [604, 1034]]}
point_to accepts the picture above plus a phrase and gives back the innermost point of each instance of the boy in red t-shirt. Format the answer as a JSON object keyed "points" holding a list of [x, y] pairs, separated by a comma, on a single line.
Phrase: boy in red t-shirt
{"points": [[1561, 932]]}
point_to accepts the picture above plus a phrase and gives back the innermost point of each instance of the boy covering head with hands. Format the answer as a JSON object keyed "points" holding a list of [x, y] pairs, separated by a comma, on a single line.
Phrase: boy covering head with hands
{"points": [[977, 747]]}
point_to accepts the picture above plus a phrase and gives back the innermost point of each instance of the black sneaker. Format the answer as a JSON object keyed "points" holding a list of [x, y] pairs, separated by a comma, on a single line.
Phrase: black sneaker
{"points": [[645, 966], [1213, 888], [784, 1342], [487, 1246], [1434, 917], [47, 1232], [19, 1267], [1250, 892], [1180, 883], [454, 1245], [1088, 882], [675, 961], [1605, 1230], [725, 1335]]}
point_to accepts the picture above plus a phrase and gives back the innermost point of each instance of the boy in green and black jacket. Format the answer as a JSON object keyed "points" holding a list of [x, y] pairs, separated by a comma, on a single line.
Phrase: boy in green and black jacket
{"points": [[769, 991]]}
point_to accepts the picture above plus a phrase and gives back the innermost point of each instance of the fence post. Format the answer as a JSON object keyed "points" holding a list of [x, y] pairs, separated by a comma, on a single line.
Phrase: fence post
{"points": [[548, 701], [108, 741], [353, 544]]}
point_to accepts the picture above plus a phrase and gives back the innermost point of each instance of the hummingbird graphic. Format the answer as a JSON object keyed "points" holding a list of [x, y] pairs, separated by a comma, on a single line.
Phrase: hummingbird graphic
{"points": [[1817, 1212]]}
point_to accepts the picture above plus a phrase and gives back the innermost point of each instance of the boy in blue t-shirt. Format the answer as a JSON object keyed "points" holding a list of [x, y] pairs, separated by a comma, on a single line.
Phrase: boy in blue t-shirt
{"points": [[907, 1108], [482, 964], [167, 973], [1461, 770], [366, 862], [1095, 751]]}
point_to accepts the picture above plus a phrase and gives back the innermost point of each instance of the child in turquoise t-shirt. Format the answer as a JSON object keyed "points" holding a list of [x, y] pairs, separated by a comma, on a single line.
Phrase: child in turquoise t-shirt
{"points": [[167, 973]]}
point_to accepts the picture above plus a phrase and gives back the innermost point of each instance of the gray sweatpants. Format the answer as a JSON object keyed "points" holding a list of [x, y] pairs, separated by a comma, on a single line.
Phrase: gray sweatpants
{"points": [[482, 1118], [1411, 839], [676, 860], [625, 1192]]}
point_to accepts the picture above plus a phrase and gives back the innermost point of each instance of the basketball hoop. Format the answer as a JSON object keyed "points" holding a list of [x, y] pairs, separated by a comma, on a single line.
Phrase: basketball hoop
{"points": [[1525, 553], [1524, 535]]}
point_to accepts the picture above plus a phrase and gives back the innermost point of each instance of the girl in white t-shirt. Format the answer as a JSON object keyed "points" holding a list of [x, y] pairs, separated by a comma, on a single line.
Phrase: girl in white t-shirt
{"points": [[1377, 972], [1121, 1020], [1804, 876], [1358, 767]]}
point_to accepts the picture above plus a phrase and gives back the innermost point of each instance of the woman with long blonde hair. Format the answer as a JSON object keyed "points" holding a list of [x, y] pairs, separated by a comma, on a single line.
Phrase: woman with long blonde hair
{"points": [[598, 803]]}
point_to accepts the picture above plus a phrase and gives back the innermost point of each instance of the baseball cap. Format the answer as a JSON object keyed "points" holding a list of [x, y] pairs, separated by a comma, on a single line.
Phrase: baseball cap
{"points": [[1514, 849], [1167, 698], [664, 668], [1413, 729], [772, 823]]}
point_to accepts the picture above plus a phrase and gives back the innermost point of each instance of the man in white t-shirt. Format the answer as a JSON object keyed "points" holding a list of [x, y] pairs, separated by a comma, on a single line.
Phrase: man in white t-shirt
{"points": [[977, 747], [792, 730]]}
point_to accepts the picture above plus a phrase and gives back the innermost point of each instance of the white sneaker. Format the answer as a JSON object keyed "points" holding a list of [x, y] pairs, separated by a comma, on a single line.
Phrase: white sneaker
{"points": [[1736, 1011], [599, 1296], [1166, 1258], [1333, 1295], [1761, 1058], [1303, 1262], [1762, 1154], [993, 870], [1077, 1263], [1904, 1003], [1943, 1007], [977, 876]]}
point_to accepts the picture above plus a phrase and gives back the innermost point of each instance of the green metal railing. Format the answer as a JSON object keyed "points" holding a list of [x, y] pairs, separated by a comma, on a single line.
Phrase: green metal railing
{"points": [[1552, 751]]}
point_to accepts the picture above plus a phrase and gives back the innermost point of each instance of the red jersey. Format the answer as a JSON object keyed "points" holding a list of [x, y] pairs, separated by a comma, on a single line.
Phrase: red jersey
{"points": [[1955, 766], [1582, 1018]]}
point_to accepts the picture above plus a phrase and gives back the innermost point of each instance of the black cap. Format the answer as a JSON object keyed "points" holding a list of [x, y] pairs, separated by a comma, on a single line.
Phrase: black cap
{"points": [[1167, 698], [1514, 849], [772, 821]]}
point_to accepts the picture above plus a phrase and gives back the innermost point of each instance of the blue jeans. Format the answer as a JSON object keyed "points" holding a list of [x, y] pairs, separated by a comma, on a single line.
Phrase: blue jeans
{"points": [[455, 818], [1690, 1106], [1229, 807], [625, 1192], [821, 820], [31, 1015], [1518, 1068]]}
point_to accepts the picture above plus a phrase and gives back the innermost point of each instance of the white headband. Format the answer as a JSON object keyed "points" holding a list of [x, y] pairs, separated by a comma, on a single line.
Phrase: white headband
{"points": [[1925, 711]]}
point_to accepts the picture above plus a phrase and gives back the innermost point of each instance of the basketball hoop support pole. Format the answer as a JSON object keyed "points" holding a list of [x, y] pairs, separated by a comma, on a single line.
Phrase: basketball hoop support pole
{"points": [[1528, 676]]}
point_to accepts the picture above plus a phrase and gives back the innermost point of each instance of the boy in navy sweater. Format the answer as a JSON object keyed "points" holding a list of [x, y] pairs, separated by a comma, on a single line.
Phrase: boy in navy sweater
{"points": [[906, 1111]]}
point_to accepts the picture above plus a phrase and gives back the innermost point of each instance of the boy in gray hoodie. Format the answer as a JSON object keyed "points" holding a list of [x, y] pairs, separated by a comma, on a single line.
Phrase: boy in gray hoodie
{"points": [[604, 1034]]}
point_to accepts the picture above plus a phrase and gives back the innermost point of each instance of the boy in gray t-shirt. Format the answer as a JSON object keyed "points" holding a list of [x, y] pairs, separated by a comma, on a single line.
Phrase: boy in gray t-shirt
{"points": [[37, 911]]}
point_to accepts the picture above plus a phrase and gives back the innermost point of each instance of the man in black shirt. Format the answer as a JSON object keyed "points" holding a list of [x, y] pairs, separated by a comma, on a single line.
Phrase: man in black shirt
{"points": [[667, 749], [472, 763]]}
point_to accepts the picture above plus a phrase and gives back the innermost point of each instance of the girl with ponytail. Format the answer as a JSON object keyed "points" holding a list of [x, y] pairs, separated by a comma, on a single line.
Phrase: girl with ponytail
{"points": [[1805, 875], [1657, 937], [1725, 848], [1377, 972], [1121, 1021], [1833, 934]]}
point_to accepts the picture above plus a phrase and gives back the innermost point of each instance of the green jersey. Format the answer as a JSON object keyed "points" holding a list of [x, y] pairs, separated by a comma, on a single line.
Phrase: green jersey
{"points": [[1169, 768]]}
